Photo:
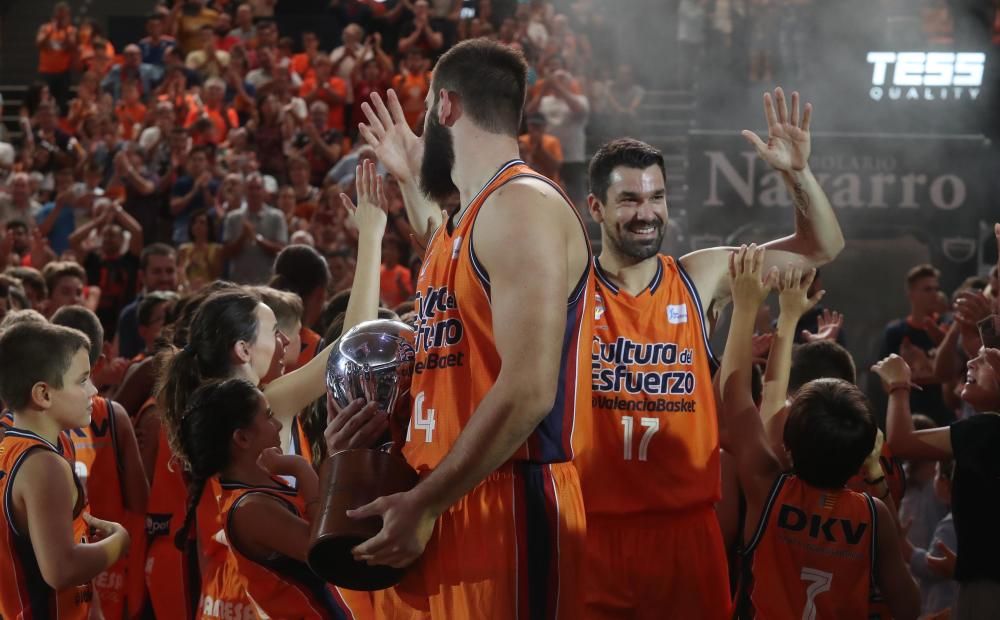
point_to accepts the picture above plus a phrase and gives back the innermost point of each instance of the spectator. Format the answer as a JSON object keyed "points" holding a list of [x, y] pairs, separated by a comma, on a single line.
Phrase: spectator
{"points": [[50, 144], [130, 112], [155, 44], [146, 76], [303, 271], [346, 57], [252, 236], [56, 41], [328, 88], [223, 27], [419, 33], [91, 43], [692, 24], [194, 191], [17, 204], [152, 316], [264, 73], [157, 272], [174, 63], [65, 282], [565, 108], [208, 60], [624, 99], [915, 338], [303, 64], [56, 219], [186, 21], [396, 281], [33, 282], [306, 195], [321, 148], [411, 86], [369, 77], [230, 196], [200, 260], [541, 150], [221, 117], [269, 136], [142, 201], [263, 8], [113, 268], [245, 31]]}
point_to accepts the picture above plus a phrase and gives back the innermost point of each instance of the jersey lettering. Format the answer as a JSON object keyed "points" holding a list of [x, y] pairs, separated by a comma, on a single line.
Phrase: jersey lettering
{"points": [[796, 520]]}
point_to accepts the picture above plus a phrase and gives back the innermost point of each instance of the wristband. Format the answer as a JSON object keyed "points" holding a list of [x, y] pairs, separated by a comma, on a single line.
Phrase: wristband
{"points": [[895, 387]]}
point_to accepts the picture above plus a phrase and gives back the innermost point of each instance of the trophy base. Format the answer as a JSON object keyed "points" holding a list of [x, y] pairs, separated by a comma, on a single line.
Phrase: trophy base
{"points": [[331, 559]]}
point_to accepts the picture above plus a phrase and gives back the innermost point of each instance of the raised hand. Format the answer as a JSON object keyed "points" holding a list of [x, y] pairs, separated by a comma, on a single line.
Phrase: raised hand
{"points": [[370, 214], [745, 265], [793, 299], [828, 327], [943, 565], [893, 371], [788, 142], [395, 144]]}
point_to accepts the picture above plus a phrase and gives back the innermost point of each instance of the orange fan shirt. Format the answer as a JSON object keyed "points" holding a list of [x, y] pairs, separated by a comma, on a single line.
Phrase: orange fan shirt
{"points": [[412, 90], [812, 555], [457, 361], [654, 419], [24, 593]]}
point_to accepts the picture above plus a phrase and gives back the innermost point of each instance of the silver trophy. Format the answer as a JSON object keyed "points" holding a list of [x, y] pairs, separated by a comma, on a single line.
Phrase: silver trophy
{"points": [[374, 362]]}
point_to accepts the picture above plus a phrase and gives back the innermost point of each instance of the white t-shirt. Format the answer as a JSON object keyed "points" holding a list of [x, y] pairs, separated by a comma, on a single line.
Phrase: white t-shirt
{"points": [[568, 127]]}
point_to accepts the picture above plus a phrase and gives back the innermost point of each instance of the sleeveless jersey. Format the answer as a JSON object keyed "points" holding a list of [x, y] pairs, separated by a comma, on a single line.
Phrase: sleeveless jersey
{"points": [[98, 467], [24, 593], [281, 587], [170, 573], [456, 357], [812, 556], [654, 419], [895, 476]]}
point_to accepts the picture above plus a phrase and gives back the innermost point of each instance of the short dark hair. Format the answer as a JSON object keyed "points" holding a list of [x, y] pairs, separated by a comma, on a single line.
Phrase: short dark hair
{"points": [[829, 432], [300, 269], [491, 80], [16, 223], [287, 306], [58, 270], [919, 273], [155, 249], [150, 302], [626, 152], [82, 320], [31, 352], [822, 359], [21, 316]]}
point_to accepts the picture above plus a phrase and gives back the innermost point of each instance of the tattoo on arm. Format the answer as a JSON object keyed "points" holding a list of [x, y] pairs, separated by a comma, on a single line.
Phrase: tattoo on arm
{"points": [[800, 198]]}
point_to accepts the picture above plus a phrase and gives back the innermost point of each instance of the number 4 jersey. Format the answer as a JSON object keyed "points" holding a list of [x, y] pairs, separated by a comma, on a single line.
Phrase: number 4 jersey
{"points": [[655, 441]]}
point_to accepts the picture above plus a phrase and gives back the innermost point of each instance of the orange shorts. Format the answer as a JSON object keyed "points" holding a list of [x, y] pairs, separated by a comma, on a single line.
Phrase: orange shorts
{"points": [[511, 548], [656, 566]]}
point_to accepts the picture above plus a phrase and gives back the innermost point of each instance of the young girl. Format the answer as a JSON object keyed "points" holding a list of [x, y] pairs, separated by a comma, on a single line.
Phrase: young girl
{"points": [[228, 432]]}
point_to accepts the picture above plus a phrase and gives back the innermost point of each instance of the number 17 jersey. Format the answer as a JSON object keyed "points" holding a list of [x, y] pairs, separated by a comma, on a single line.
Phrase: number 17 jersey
{"points": [[654, 444]]}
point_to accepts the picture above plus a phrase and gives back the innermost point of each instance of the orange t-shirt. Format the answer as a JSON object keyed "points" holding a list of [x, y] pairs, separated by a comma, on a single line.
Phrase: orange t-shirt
{"points": [[457, 361], [812, 555], [302, 64], [552, 146], [23, 591], [310, 347], [412, 90], [654, 419], [130, 115], [335, 119], [395, 285], [55, 55], [222, 120]]}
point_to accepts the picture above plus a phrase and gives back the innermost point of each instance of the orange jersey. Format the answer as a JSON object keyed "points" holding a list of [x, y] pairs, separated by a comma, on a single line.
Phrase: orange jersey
{"points": [[281, 587], [812, 555], [24, 593], [169, 572], [412, 90], [895, 476], [456, 357], [98, 467], [654, 420], [310, 347]]}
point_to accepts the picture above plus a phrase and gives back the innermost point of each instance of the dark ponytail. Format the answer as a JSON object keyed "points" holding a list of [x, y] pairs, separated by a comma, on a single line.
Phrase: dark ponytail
{"points": [[222, 320], [216, 411]]}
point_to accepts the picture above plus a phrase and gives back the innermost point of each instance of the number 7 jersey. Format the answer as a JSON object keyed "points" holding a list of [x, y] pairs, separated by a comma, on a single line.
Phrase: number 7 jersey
{"points": [[654, 443]]}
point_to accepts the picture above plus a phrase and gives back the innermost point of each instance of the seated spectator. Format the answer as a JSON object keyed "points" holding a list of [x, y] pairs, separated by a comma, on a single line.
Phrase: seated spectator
{"points": [[252, 236], [194, 191], [50, 147], [146, 76], [411, 86], [17, 204], [155, 44], [113, 268], [200, 260], [541, 150], [85, 104], [208, 60], [328, 88]]}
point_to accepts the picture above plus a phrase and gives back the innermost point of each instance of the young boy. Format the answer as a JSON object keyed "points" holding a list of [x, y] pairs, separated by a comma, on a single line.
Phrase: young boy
{"points": [[110, 469], [46, 569], [812, 548]]}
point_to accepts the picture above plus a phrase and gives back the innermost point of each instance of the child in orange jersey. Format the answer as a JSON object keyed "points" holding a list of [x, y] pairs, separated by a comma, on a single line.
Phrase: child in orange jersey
{"points": [[812, 548], [46, 564], [229, 432], [110, 468]]}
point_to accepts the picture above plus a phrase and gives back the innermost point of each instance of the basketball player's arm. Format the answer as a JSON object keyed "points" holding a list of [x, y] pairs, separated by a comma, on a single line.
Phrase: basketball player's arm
{"points": [[296, 390], [44, 487], [756, 464], [263, 525], [894, 580], [135, 487]]}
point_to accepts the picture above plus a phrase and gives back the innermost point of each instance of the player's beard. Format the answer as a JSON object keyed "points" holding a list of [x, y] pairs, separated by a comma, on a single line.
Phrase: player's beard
{"points": [[623, 241], [439, 159]]}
